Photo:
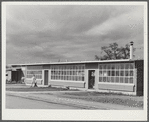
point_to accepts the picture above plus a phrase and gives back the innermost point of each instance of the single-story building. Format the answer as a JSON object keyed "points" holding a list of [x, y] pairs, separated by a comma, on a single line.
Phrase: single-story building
{"points": [[121, 76]]}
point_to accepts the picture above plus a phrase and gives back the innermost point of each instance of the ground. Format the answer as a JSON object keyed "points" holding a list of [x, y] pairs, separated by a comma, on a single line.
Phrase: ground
{"points": [[14, 102], [73, 97]]}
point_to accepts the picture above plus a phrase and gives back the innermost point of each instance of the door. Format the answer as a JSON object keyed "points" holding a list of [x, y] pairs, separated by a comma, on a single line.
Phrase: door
{"points": [[46, 77], [14, 76], [91, 79]]}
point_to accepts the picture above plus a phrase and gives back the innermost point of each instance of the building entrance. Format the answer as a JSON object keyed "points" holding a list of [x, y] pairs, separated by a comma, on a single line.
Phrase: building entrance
{"points": [[16, 76], [46, 77], [91, 79]]}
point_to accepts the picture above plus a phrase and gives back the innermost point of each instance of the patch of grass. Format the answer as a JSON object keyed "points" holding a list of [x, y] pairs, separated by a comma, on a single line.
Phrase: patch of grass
{"points": [[132, 101], [27, 89]]}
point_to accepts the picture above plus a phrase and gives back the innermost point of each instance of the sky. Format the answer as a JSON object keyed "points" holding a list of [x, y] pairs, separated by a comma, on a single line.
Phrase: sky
{"points": [[47, 33]]}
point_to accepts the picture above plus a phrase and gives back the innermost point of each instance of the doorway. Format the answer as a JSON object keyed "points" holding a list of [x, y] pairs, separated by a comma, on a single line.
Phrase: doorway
{"points": [[16, 75], [91, 79], [46, 77]]}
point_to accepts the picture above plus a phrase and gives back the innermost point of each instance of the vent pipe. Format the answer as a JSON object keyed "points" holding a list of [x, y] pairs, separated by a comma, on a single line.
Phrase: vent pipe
{"points": [[131, 50]]}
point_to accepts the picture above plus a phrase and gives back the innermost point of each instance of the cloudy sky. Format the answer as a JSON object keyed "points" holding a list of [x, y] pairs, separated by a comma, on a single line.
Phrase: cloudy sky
{"points": [[44, 33]]}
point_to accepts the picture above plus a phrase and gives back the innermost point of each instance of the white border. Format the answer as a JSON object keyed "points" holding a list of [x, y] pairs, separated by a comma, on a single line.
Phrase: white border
{"points": [[18, 114]]}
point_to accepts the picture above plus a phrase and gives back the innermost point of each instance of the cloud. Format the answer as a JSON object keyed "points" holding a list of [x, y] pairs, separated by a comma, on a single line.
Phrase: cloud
{"points": [[122, 26], [75, 32]]}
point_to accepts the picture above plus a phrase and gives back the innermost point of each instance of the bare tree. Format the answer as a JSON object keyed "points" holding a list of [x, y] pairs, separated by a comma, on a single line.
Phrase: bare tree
{"points": [[112, 52]]}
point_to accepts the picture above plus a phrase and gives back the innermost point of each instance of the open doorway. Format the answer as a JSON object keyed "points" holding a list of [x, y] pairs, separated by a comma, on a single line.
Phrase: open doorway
{"points": [[91, 79], [46, 77]]}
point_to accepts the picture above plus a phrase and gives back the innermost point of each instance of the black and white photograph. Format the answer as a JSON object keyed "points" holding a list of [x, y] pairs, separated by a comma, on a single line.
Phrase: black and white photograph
{"points": [[74, 60]]}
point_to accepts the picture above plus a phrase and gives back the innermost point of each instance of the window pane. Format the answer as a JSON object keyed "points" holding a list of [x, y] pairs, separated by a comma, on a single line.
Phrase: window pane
{"points": [[117, 73], [108, 79], [113, 72], [100, 66], [69, 77], [65, 77], [131, 66], [131, 73], [126, 73], [108, 72], [82, 78], [127, 66], [112, 79], [117, 66], [121, 79], [126, 80], [122, 66], [117, 79], [131, 80], [75, 78], [121, 73], [104, 66], [104, 79], [100, 79], [100, 73], [108, 66], [104, 73], [113, 66], [68, 72]]}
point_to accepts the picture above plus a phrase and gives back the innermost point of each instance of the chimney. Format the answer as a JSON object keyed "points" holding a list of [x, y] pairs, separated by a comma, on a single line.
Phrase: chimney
{"points": [[131, 50]]}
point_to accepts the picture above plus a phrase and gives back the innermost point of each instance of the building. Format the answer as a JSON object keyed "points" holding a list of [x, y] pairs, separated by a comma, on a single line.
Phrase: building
{"points": [[121, 76]]}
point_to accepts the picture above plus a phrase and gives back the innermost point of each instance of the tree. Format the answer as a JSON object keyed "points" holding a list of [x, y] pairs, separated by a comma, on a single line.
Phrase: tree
{"points": [[112, 52]]}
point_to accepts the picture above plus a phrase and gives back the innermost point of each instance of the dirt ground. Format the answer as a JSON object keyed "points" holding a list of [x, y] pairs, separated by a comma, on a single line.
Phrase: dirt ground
{"points": [[126, 100]]}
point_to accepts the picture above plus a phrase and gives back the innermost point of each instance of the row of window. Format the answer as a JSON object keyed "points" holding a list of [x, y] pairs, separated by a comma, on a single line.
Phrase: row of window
{"points": [[116, 79], [116, 72], [68, 67], [117, 66], [80, 73], [37, 73], [119, 73], [126, 73], [68, 72], [72, 78], [34, 72]]}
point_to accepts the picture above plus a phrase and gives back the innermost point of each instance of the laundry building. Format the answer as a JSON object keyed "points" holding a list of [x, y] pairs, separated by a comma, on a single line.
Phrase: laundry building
{"points": [[121, 76]]}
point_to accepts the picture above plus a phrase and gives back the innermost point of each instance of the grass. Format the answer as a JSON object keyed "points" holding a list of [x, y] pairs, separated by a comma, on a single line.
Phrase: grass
{"points": [[132, 101], [112, 98], [24, 88]]}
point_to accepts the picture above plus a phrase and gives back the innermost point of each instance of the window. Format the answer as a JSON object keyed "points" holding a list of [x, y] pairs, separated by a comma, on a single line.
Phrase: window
{"points": [[116, 72], [67, 72], [37, 73]]}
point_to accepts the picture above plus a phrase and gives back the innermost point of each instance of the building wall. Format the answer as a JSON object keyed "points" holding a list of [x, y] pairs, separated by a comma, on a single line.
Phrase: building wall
{"points": [[139, 65], [68, 75], [37, 70], [91, 67], [35, 67], [23, 71], [118, 77], [9, 76], [123, 80]]}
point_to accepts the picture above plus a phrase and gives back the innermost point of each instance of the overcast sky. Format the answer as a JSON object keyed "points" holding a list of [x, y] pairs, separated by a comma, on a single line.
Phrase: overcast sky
{"points": [[44, 33]]}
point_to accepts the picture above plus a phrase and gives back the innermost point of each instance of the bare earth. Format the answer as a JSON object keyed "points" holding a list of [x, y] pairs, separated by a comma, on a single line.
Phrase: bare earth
{"points": [[123, 101]]}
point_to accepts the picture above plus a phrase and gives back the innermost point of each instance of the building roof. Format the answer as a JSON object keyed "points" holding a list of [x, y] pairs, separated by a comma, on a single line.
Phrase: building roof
{"points": [[13, 69], [74, 62]]}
